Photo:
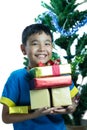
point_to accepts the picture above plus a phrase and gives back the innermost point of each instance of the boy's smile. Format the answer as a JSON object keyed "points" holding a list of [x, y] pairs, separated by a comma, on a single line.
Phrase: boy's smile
{"points": [[38, 48], [41, 56]]}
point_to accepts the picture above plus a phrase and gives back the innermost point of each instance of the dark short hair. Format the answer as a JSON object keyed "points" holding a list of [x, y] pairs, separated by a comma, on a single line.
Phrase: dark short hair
{"points": [[33, 29]]}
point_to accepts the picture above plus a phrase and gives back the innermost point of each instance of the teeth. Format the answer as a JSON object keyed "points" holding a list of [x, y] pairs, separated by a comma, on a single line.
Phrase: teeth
{"points": [[41, 56]]}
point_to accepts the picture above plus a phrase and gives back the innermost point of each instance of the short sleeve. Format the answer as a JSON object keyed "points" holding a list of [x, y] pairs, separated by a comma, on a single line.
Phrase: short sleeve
{"points": [[73, 90], [11, 91]]}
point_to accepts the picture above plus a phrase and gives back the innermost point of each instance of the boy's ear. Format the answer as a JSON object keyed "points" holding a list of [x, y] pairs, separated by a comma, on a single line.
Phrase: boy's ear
{"points": [[23, 49]]}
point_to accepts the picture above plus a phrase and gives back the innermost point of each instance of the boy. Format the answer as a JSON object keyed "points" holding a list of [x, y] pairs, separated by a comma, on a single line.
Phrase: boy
{"points": [[37, 45]]}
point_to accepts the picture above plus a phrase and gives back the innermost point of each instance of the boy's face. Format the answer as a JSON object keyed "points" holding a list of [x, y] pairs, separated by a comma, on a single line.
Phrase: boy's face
{"points": [[38, 48]]}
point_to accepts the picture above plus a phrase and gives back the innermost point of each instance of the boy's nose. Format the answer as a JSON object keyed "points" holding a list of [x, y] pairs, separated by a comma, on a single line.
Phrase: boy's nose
{"points": [[41, 47]]}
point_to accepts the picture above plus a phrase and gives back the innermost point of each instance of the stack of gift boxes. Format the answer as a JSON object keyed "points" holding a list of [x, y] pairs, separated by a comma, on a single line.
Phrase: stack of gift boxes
{"points": [[50, 86]]}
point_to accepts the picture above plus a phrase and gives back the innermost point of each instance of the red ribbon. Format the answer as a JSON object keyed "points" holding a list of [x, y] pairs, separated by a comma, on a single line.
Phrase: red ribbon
{"points": [[55, 70]]}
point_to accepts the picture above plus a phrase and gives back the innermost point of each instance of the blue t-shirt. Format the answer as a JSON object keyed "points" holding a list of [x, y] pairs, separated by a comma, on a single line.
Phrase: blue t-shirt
{"points": [[17, 90]]}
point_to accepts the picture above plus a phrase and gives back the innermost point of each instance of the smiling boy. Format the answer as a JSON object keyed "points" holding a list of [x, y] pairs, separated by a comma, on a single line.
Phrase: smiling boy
{"points": [[37, 45]]}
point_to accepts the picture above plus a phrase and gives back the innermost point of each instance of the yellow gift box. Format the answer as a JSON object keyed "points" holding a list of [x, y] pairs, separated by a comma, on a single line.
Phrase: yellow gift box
{"points": [[61, 96], [46, 71], [40, 98], [50, 97]]}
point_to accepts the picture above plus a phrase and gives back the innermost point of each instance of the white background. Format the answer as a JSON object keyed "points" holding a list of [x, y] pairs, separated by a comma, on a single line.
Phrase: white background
{"points": [[14, 16]]}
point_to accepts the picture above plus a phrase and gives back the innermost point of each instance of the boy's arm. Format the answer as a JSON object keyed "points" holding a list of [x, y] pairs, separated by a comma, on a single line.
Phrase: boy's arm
{"points": [[72, 107], [12, 118]]}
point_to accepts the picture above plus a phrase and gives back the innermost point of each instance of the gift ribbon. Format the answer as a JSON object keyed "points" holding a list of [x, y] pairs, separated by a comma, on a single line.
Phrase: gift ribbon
{"points": [[56, 70]]}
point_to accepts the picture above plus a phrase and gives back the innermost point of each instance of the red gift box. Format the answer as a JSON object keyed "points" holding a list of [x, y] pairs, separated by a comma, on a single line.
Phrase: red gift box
{"points": [[50, 82]]}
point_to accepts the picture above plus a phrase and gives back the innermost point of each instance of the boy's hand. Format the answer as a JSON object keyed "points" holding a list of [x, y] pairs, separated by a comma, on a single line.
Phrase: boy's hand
{"points": [[43, 111], [64, 110], [52, 110]]}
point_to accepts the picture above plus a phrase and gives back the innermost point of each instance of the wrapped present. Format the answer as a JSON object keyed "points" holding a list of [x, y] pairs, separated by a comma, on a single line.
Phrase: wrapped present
{"points": [[40, 98], [50, 97], [61, 96], [50, 82], [53, 70]]}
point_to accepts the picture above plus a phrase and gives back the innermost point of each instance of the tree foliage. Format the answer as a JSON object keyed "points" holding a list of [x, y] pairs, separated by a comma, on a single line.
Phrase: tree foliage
{"points": [[68, 18]]}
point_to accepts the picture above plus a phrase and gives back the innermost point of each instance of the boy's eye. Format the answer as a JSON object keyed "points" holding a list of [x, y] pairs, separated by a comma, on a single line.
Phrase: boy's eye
{"points": [[48, 43], [34, 43]]}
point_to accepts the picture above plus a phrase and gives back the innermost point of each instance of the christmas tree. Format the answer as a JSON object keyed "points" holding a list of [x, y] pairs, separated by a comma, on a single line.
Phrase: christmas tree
{"points": [[64, 20]]}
